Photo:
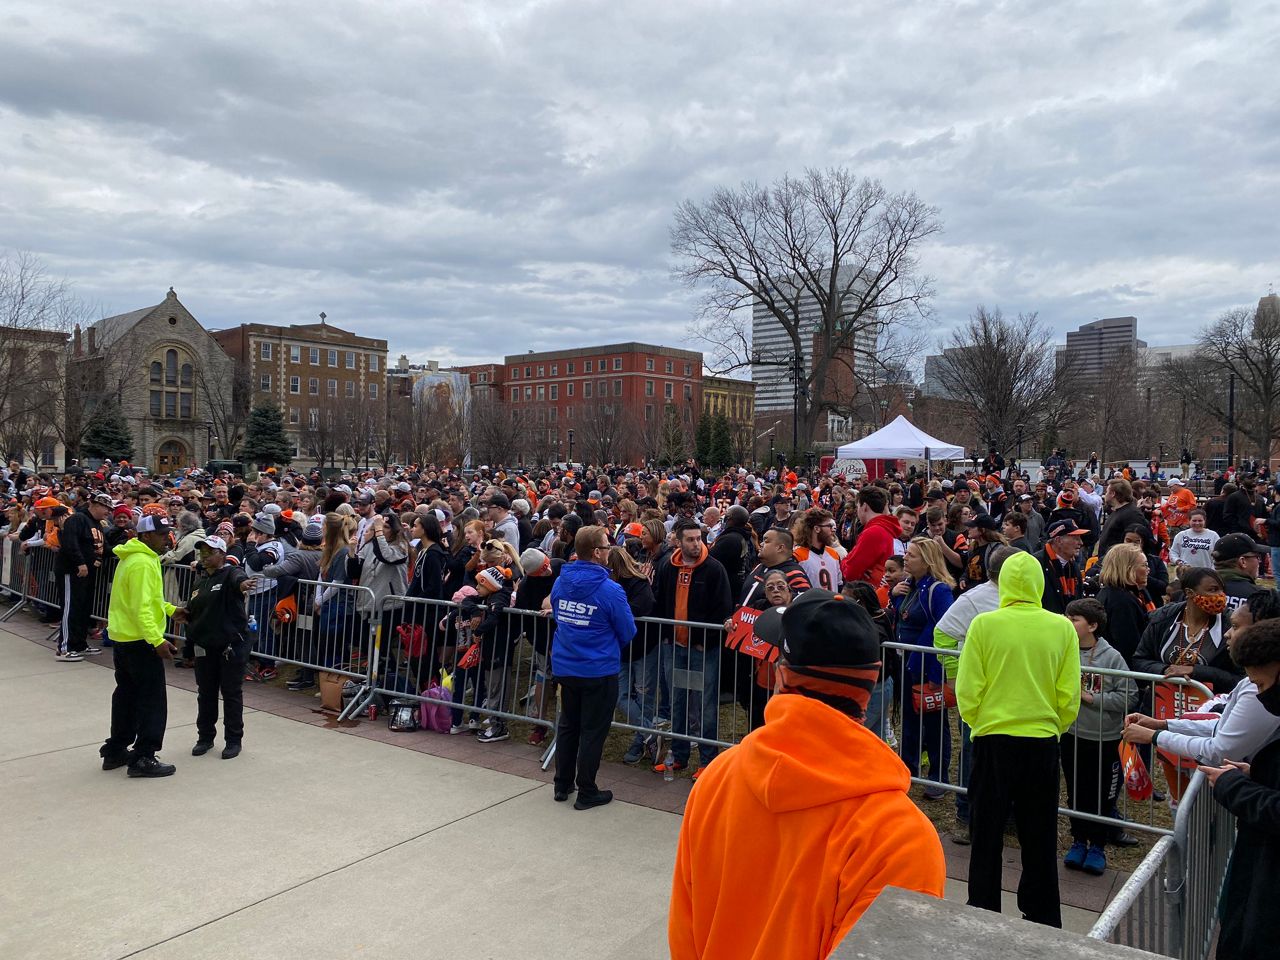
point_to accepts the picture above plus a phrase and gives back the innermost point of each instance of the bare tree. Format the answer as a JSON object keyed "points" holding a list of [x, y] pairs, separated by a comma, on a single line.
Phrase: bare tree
{"points": [[1112, 422], [1007, 375], [226, 402], [322, 430], [831, 258], [601, 432], [1244, 344], [497, 433]]}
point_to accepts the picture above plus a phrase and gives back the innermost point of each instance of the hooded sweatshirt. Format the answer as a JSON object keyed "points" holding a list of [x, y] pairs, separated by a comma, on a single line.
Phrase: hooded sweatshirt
{"points": [[1103, 719], [1020, 667], [950, 632], [137, 609], [789, 836], [593, 622], [875, 545]]}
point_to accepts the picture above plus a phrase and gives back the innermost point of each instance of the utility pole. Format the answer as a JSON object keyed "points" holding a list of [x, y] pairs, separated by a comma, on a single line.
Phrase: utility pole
{"points": [[1231, 419]]}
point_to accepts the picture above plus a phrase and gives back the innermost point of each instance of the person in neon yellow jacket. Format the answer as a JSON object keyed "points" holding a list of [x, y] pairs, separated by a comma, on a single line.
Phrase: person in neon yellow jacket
{"points": [[1018, 688], [136, 622]]}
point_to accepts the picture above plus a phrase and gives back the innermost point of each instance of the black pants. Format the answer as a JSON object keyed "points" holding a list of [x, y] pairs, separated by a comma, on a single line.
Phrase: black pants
{"points": [[77, 611], [586, 710], [1092, 772], [1019, 773], [139, 705], [217, 674]]}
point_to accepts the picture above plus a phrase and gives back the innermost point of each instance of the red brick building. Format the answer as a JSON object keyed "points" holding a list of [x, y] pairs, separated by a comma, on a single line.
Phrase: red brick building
{"points": [[617, 403]]}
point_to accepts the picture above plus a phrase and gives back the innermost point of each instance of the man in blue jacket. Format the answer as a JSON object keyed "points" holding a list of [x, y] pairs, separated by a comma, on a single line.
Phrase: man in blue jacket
{"points": [[593, 624]]}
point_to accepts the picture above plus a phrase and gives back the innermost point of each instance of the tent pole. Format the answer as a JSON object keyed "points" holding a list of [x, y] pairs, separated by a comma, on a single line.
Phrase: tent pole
{"points": [[928, 467]]}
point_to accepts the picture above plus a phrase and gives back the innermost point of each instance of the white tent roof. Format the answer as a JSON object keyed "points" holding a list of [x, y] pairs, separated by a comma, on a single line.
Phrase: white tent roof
{"points": [[900, 440]]}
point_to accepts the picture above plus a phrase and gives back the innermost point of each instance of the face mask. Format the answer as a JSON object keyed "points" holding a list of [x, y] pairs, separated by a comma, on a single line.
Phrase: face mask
{"points": [[1212, 603], [1270, 699]]}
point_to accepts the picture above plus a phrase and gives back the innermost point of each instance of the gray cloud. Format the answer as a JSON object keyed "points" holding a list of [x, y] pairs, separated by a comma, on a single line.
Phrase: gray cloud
{"points": [[471, 179]]}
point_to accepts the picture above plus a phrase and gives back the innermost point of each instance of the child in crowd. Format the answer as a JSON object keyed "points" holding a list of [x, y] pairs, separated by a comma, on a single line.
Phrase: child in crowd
{"points": [[1091, 747]]}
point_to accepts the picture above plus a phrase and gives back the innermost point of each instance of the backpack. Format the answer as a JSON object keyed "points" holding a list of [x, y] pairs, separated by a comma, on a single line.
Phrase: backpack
{"points": [[436, 716]]}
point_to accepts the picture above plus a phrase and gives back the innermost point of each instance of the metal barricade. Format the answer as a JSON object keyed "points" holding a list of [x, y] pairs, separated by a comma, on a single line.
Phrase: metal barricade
{"points": [[1091, 775], [1140, 914], [44, 586], [1204, 834], [14, 578]]}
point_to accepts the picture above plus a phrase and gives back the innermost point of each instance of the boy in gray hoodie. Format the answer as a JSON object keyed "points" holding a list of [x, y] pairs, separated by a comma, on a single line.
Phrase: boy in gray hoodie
{"points": [[1090, 749]]}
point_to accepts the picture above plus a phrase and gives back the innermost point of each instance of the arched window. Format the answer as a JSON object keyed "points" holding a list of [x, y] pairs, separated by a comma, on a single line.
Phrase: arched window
{"points": [[155, 371], [173, 374], [186, 374], [171, 368]]}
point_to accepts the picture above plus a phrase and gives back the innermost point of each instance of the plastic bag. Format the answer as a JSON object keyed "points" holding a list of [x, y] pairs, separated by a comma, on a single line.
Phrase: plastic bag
{"points": [[1137, 781]]}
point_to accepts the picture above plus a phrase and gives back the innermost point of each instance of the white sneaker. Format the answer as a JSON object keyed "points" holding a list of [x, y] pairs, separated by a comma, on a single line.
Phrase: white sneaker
{"points": [[458, 728], [91, 651], [70, 656]]}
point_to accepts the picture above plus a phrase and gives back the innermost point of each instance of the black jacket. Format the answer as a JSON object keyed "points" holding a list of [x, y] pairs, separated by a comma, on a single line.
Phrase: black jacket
{"points": [[1156, 651], [733, 548], [219, 618], [1273, 525], [428, 574], [1237, 513], [530, 593], [79, 542], [709, 599], [1239, 588], [1055, 599], [1117, 523], [1248, 901], [641, 600], [1127, 620], [526, 532]]}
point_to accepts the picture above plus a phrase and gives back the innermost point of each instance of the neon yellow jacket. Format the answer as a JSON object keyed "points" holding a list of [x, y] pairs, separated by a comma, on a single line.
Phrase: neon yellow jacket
{"points": [[1019, 669], [138, 608]]}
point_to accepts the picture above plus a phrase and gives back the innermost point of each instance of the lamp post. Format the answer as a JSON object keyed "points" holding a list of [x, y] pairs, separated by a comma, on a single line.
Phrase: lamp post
{"points": [[209, 438], [570, 460]]}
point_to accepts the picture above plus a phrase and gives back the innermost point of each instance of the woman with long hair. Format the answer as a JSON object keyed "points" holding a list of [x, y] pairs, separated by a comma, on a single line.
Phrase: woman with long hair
{"points": [[381, 565], [919, 602], [638, 682], [333, 606]]}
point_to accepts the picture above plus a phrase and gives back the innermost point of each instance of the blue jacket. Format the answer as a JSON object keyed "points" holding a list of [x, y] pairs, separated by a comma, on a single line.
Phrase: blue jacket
{"points": [[917, 614], [593, 622]]}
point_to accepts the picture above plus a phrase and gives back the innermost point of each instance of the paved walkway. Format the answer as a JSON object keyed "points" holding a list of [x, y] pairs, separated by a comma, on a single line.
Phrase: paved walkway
{"points": [[314, 843]]}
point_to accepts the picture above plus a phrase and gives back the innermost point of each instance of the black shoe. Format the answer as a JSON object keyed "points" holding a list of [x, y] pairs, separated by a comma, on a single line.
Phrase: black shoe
{"points": [[121, 760], [597, 799], [231, 751], [151, 766], [562, 795], [299, 684], [201, 748]]}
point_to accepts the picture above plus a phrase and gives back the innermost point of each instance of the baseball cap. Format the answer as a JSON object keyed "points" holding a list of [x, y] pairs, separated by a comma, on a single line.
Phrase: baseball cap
{"points": [[532, 560], [1025, 497], [982, 521], [1064, 528], [102, 499], [634, 529], [1176, 482], [48, 503], [213, 543], [153, 523], [821, 628], [1236, 545]]}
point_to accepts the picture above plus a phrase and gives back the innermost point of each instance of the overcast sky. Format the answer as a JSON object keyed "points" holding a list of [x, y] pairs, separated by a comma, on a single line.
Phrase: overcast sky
{"points": [[471, 179]]}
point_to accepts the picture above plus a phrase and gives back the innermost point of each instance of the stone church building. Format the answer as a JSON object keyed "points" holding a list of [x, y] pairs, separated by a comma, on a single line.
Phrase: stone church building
{"points": [[162, 363]]}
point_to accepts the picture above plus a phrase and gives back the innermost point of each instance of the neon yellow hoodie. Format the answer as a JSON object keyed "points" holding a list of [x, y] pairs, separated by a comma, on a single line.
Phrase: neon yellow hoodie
{"points": [[1019, 669], [138, 608]]}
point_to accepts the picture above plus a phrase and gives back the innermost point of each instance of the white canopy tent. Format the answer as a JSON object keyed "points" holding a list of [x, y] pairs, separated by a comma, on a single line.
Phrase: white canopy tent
{"points": [[900, 440]]}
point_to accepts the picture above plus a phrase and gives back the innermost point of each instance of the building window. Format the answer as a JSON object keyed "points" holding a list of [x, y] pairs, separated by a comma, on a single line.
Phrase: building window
{"points": [[351, 388], [526, 373], [313, 418], [617, 388], [528, 393], [602, 388], [264, 383], [515, 394], [586, 366], [551, 415], [373, 391], [670, 367], [568, 389], [156, 401], [313, 386], [170, 405], [568, 414], [555, 391], [295, 384], [350, 359], [555, 369], [667, 390], [542, 392], [515, 373], [648, 411], [156, 371], [293, 415], [171, 368], [542, 371], [617, 363], [295, 354], [688, 392], [482, 378], [266, 351], [688, 370], [648, 387], [373, 363], [568, 366], [586, 389], [333, 358], [314, 356], [184, 405], [333, 388], [648, 364], [187, 375]]}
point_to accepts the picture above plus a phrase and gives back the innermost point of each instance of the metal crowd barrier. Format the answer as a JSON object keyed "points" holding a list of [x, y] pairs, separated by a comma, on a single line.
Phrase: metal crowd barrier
{"points": [[1093, 779], [14, 577], [1170, 903]]}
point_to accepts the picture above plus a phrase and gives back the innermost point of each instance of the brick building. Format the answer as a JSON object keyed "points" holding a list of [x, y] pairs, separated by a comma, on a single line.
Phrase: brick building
{"points": [[736, 400], [329, 383], [33, 391], [618, 403]]}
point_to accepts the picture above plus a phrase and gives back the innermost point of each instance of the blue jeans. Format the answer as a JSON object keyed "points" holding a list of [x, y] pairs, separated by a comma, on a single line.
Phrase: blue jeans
{"points": [[1275, 560], [263, 606], [638, 689], [966, 766], [878, 707], [693, 677]]}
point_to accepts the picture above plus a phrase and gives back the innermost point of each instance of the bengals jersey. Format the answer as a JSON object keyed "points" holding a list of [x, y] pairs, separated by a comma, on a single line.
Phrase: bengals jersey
{"points": [[822, 568]]}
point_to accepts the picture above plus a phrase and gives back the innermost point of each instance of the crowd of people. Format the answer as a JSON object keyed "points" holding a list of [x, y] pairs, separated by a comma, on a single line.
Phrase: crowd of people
{"points": [[1129, 573]]}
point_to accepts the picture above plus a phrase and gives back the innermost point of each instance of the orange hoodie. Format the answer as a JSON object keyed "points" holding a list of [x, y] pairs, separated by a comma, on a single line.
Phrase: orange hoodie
{"points": [[789, 836]]}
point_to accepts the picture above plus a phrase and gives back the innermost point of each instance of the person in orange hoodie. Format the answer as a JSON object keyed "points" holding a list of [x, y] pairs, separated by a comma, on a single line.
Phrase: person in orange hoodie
{"points": [[789, 836]]}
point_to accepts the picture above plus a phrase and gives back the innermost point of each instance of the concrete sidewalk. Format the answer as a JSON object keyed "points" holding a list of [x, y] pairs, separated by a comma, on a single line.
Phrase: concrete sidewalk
{"points": [[307, 845]]}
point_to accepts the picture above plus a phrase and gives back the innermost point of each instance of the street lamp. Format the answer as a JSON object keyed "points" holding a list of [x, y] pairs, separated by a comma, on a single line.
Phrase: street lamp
{"points": [[570, 461], [209, 438]]}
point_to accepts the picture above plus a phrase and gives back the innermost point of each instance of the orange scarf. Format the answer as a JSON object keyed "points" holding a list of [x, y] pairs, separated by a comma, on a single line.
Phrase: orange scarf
{"points": [[684, 577]]}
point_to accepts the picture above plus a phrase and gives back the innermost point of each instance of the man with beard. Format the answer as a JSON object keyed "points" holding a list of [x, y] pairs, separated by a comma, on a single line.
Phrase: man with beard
{"points": [[815, 535]]}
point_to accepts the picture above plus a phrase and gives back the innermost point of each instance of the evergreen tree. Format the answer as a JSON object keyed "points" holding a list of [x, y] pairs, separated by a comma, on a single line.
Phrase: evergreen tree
{"points": [[108, 436], [721, 442], [702, 441], [265, 442]]}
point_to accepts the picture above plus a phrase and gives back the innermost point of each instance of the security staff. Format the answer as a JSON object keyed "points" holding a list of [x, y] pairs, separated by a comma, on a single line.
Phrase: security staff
{"points": [[136, 621], [218, 627]]}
